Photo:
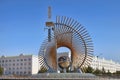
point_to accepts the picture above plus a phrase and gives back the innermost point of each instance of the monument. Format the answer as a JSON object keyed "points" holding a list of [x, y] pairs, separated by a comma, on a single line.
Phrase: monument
{"points": [[66, 32]]}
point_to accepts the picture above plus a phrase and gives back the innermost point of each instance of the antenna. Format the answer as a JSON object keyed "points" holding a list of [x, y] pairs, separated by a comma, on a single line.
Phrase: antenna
{"points": [[49, 13], [49, 24]]}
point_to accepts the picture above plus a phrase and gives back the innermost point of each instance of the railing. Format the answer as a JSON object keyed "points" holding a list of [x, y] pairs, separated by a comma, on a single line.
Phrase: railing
{"points": [[58, 76]]}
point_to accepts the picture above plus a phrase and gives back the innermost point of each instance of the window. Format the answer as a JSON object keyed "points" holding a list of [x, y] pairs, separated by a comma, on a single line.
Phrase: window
{"points": [[24, 67], [17, 72], [25, 59], [20, 67], [6, 61], [21, 59], [29, 59], [9, 60], [13, 60], [17, 68], [3, 61], [24, 63], [29, 67], [17, 59], [29, 72], [9, 68], [21, 64], [13, 64], [9, 72], [24, 72], [13, 72], [29, 63], [13, 68], [20, 72], [5, 72], [17, 64]]}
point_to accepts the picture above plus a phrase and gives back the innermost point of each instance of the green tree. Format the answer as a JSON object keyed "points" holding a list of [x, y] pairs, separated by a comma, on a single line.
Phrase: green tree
{"points": [[103, 71], [117, 72], [89, 70], [1, 70], [108, 73], [97, 71], [43, 69]]}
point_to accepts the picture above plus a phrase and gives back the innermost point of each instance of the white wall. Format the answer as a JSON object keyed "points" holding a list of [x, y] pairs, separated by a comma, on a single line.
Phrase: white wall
{"points": [[35, 65], [19, 65], [107, 64]]}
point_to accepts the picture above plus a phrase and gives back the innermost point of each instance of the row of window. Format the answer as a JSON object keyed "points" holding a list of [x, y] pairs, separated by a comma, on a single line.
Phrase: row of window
{"points": [[19, 68], [18, 73], [17, 64], [102, 65], [29, 59], [105, 62]]}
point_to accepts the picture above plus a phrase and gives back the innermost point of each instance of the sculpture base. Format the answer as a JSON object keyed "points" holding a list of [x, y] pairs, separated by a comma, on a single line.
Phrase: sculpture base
{"points": [[68, 76]]}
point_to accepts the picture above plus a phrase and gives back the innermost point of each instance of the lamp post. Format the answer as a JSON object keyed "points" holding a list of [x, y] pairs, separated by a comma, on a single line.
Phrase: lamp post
{"points": [[98, 60]]}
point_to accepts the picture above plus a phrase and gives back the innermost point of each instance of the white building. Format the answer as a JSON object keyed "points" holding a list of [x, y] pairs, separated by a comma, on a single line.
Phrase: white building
{"points": [[20, 65], [28, 64], [99, 63], [108, 65]]}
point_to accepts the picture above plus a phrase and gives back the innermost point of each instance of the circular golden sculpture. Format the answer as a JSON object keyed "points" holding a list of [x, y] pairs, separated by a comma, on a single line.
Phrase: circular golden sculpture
{"points": [[67, 32]]}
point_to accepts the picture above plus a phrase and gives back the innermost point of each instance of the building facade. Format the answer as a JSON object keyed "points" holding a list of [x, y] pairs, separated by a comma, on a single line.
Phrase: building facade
{"points": [[29, 64], [20, 65], [108, 65], [99, 63]]}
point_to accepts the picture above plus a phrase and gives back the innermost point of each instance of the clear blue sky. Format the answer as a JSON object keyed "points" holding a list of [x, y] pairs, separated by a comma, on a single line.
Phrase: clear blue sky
{"points": [[22, 24]]}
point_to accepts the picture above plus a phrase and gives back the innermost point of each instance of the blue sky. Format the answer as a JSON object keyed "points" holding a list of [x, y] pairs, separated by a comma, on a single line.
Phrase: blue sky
{"points": [[22, 24]]}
